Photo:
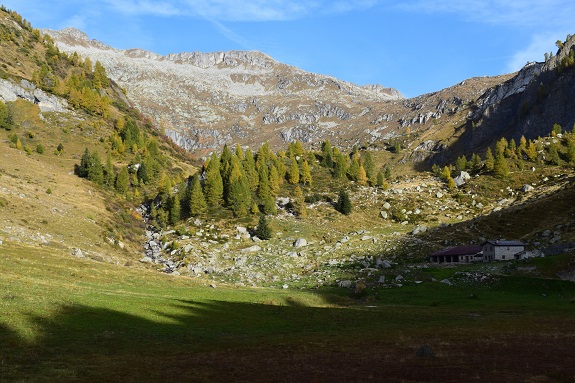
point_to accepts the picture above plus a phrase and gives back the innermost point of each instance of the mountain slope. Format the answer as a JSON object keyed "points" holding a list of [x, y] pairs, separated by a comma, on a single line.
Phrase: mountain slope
{"points": [[205, 100]]}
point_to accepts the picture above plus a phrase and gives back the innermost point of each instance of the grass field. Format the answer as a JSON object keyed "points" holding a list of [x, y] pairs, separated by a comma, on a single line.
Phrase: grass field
{"points": [[77, 320]]}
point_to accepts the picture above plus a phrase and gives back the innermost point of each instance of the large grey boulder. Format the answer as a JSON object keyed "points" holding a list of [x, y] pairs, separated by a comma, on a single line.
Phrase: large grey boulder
{"points": [[300, 242], [461, 178]]}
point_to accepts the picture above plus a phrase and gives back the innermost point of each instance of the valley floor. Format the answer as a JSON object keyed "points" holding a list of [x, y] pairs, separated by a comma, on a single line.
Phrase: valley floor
{"points": [[78, 320]]}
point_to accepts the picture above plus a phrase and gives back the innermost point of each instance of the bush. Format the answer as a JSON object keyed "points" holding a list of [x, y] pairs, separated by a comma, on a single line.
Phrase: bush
{"points": [[40, 149]]}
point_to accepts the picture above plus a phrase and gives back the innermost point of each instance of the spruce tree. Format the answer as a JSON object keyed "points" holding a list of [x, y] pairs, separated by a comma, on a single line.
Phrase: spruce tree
{"points": [[554, 155], [264, 183], [6, 121], [95, 170], [369, 166], [197, 201], [84, 164], [531, 151], [343, 204], [263, 231], [109, 172]]}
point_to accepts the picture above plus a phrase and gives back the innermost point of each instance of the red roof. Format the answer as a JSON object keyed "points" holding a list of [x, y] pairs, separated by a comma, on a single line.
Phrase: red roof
{"points": [[459, 250]]}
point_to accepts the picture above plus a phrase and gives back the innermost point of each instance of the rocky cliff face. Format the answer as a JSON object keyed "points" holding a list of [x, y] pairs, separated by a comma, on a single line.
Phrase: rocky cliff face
{"points": [[205, 100]]}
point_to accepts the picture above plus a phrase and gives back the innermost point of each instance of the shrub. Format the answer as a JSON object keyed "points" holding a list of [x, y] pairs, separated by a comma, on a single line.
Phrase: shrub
{"points": [[40, 149]]}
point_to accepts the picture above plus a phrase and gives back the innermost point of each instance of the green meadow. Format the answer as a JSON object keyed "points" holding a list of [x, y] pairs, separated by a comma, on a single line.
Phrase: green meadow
{"points": [[65, 319]]}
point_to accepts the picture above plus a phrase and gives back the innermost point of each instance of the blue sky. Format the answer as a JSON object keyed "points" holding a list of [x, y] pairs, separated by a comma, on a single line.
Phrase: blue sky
{"points": [[415, 46]]}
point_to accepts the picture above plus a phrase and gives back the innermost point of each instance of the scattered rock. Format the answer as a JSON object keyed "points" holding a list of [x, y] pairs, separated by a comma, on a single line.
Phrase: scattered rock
{"points": [[527, 188], [345, 284], [419, 229], [75, 252], [146, 260], [447, 282], [386, 206], [383, 214], [300, 242], [251, 249]]}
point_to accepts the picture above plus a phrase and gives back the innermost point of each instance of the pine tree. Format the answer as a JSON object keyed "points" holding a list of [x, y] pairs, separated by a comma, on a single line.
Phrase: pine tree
{"points": [[343, 204], [387, 173], [460, 164], [122, 178], [197, 200], [475, 161], [451, 183], [239, 152], [263, 231], [299, 203], [305, 176], [100, 78], [269, 205], [489, 160], [213, 185], [522, 146], [511, 150], [571, 149], [142, 173]]}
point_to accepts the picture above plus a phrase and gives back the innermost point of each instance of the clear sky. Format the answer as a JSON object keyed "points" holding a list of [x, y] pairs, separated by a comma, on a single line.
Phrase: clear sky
{"points": [[415, 46]]}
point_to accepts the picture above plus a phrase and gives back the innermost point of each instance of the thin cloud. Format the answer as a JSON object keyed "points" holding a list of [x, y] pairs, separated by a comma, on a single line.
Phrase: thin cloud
{"points": [[514, 12], [535, 51]]}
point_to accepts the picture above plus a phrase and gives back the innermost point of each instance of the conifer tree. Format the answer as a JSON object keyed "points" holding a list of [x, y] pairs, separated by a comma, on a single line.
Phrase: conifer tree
{"points": [[293, 173], [197, 201], [109, 173], [175, 209], [281, 167], [239, 196], [327, 154], [95, 170], [500, 167], [500, 146], [269, 205], [84, 164], [369, 166], [379, 179], [274, 181], [299, 203], [239, 152], [122, 178], [263, 231], [554, 155], [571, 148], [511, 151], [460, 163], [531, 151], [475, 161], [305, 176], [343, 204], [489, 160], [522, 146], [264, 183], [340, 164], [250, 170], [213, 185], [142, 173], [361, 176], [5, 117], [387, 173]]}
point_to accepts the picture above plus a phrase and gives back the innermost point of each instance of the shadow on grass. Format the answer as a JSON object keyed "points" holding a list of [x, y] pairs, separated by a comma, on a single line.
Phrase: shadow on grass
{"points": [[211, 341]]}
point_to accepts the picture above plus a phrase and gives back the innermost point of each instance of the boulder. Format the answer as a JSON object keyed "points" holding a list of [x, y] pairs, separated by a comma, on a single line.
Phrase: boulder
{"points": [[386, 206], [300, 242], [419, 229], [383, 214], [527, 188], [345, 284], [461, 178], [75, 252]]}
